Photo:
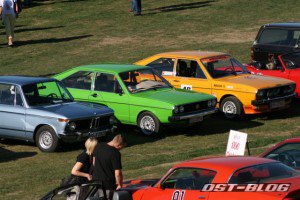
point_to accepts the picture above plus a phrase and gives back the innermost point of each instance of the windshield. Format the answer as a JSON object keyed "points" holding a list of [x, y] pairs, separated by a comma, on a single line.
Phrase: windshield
{"points": [[142, 80], [292, 60], [263, 173], [222, 66], [46, 93]]}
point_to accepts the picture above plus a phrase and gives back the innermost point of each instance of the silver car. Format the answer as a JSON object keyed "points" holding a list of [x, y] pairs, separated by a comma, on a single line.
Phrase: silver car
{"points": [[41, 110]]}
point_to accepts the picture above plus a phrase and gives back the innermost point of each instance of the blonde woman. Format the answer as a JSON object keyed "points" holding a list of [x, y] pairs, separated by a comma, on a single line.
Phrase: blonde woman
{"points": [[83, 166]]}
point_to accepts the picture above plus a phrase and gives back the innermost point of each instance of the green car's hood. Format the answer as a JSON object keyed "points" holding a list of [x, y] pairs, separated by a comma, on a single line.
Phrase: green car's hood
{"points": [[172, 96]]}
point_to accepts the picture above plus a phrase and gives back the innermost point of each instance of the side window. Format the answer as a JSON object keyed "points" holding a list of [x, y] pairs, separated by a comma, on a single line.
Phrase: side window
{"points": [[10, 95], [189, 68], [106, 83], [288, 154], [164, 66], [80, 80], [189, 179]]}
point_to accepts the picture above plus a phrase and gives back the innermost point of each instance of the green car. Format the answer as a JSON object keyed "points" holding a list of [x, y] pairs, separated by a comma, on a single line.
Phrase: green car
{"points": [[138, 95]]}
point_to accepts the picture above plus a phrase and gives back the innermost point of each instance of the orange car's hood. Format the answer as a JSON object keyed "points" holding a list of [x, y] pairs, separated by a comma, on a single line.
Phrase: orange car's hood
{"points": [[249, 83]]}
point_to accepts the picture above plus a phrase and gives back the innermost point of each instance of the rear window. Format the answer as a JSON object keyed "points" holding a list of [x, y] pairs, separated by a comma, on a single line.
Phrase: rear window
{"points": [[263, 173], [282, 37]]}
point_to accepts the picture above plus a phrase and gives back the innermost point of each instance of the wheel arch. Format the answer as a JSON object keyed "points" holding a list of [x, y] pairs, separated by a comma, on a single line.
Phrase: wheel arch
{"points": [[38, 127]]}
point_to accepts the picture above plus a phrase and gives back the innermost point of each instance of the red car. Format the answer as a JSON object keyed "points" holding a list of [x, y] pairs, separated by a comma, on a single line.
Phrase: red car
{"points": [[287, 152], [209, 178], [284, 66]]}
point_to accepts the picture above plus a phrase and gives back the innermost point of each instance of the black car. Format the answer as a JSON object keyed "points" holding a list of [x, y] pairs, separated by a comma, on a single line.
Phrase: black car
{"points": [[84, 191], [275, 39]]}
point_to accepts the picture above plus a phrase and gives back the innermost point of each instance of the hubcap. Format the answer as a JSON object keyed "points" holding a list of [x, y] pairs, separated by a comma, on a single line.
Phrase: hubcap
{"points": [[147, 125], [46, 140], [229, 108]]}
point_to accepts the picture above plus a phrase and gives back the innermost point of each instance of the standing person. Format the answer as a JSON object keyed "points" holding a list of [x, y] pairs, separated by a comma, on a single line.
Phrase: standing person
{"points": [[137, 7], [108, 165], [8, 10]]}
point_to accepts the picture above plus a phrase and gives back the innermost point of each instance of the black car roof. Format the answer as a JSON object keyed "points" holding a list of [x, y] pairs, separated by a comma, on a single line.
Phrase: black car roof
{"points": [[284, 25], [23, 80]]}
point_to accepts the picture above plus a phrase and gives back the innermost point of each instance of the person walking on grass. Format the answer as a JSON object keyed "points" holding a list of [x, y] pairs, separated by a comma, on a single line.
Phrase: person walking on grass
{"points": [[108, 165], [137, 7], [8, 11]]}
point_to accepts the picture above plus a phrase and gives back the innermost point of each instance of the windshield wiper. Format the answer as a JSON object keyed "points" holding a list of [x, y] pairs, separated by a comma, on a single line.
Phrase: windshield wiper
{"points": [[138, 90]]}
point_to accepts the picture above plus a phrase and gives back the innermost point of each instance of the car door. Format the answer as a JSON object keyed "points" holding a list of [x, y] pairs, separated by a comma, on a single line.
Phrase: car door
{"points": [[12, 112], [190, 76], [108, 90], [182, 184], [79, 84]]}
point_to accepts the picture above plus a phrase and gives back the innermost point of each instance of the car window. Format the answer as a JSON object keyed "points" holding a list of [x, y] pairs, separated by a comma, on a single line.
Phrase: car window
{"points": [[282, 37], [164, 66], [189, 68], [189, 179], [79, 80], [288, 154], [263, 173], [106, 83], [10, 95]]}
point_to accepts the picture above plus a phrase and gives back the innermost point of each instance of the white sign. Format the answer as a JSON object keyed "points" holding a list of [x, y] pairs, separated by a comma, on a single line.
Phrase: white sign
{"points": [[186, 87], [236, 143]]}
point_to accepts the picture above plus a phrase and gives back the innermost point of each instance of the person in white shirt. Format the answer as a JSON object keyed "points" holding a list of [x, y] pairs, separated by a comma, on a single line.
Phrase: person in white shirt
{"points": [[8, 10]]}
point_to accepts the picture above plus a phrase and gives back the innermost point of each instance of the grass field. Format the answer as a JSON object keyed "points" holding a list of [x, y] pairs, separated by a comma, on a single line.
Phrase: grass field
{"points": [[55, 35]]}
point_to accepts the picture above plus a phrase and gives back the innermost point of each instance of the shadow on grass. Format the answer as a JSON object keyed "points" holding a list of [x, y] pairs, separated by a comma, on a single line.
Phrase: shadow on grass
{"points": [[178, 7], [34, 29], [36, 3], [48, 40], [7, 155]]}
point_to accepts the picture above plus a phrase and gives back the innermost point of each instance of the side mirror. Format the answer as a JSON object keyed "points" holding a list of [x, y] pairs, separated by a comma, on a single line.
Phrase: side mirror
{"points": [[161, 186], [119, 91]]}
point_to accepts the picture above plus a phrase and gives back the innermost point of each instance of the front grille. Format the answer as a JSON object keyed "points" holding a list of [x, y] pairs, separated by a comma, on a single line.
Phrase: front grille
{"points": [[97, 123], [195, 107], [278, 92]]}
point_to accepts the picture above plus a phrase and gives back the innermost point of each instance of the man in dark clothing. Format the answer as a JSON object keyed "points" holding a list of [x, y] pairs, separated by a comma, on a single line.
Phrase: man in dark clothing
{"points": [[108, 165]]}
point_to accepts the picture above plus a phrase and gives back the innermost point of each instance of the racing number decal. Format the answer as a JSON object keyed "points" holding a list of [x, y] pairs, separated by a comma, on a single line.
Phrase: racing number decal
{"points": [[186, 87], [178, 195]]}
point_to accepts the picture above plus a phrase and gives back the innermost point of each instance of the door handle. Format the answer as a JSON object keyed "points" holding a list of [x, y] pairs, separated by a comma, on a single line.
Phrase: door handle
{"points": [[94, 95], [201, 197], [176, 80]]}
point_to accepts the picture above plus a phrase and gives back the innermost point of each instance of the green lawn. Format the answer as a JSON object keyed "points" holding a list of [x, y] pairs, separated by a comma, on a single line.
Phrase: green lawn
{"points": [[55, 35]]}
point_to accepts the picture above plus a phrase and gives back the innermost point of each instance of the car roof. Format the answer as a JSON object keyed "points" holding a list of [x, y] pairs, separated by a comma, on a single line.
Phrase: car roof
{"points": [[284, 25], [224, 163], [111, 68], [196, 54], [23, 80]]}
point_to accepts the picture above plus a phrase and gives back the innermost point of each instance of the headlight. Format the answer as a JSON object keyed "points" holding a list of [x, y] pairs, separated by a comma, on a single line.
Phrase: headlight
{"points": [[209, 103], [72, 126], [181, 109], [260, 94], [290, 89], [111, 120], [175, 110], [214, 102]]}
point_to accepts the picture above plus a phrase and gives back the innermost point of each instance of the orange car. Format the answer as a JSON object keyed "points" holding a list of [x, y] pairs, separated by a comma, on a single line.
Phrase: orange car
{"points": [[222, 178], [238, 92]]}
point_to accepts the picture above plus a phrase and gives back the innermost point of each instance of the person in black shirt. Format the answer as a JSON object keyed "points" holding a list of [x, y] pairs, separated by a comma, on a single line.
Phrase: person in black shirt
{"points": [[108, 165]]}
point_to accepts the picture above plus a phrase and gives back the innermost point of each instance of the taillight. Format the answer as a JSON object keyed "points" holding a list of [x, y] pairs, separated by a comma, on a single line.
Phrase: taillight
{"points": [[252, 54]]}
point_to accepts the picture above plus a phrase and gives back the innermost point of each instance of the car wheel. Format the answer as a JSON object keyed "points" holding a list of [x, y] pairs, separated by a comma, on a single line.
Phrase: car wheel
{"points": [[149, 124], [46, 139], [231, 107]]}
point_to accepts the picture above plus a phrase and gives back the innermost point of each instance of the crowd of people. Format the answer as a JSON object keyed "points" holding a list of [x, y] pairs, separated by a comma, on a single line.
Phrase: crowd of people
{"points": [[99, 162]]}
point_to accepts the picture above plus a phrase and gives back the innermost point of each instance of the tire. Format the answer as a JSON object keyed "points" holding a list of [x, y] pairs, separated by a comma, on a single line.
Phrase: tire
{"points": [[46, 139], [149, 124], [231, 107]]}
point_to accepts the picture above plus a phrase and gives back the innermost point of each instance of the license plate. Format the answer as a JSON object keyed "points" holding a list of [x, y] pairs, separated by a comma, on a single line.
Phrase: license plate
{"points": [[196, 119], [96, 134], [277, 104]]}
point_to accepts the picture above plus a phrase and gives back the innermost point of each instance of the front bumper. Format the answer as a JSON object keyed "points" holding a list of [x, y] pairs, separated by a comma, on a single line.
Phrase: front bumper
{"points": [[268, 101], [82, 135], [193, 115]]}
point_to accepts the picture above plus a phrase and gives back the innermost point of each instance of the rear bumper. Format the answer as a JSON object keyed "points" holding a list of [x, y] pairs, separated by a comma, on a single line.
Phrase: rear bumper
{"points": [[193, 115]]}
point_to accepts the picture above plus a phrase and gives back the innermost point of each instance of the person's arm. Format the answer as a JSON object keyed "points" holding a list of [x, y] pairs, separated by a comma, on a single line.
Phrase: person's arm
{"points": [[76, 171], [119, 178]]}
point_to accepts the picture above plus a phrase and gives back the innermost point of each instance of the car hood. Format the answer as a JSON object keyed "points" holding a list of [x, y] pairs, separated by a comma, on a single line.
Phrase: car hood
{"points": [[249, 83], [173, 96], [75, 110]]}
